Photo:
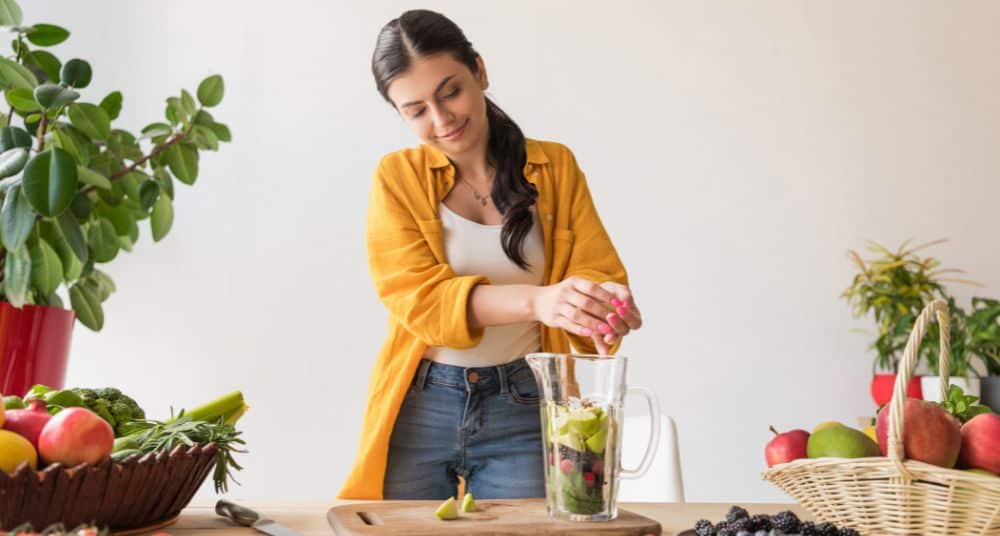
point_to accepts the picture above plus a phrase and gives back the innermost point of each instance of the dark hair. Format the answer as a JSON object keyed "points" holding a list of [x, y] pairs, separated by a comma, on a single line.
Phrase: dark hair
{"points": [[422, 33]]}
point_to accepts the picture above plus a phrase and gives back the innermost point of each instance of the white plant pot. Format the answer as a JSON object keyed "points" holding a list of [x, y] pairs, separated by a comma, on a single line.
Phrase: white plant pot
{"points": [[931, 386]]}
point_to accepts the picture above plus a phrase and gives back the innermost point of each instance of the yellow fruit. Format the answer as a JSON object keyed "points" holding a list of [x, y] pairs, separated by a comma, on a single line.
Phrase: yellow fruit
{"points": [[870, 432], [826, 424], [15, 450]]}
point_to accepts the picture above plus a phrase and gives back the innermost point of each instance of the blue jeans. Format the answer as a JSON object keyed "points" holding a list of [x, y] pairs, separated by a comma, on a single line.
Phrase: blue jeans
{"points": [[480, 422]]}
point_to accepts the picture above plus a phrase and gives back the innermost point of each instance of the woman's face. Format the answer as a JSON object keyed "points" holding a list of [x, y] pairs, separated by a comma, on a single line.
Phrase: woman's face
{"points": [[443, 102]]}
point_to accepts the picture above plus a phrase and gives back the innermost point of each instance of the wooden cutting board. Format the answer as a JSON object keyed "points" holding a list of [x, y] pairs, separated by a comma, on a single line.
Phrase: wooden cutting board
{"points": [[496, 517]]}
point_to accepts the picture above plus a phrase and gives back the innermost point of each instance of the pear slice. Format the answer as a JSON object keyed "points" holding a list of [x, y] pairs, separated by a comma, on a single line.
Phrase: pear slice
{"points": [[468, 503], [448, 510], [597, 442], [572, 441], [583, 422]]}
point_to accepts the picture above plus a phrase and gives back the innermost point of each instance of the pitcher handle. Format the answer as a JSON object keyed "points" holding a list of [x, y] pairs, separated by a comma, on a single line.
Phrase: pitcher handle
{"points": [[654, 433]]}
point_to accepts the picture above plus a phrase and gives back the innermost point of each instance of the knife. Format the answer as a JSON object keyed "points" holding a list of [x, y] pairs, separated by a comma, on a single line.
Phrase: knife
{"points": [[249, 518]]}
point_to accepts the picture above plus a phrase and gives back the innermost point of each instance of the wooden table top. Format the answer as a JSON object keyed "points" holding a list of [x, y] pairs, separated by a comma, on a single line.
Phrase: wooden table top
{"points": [[310, 517]]}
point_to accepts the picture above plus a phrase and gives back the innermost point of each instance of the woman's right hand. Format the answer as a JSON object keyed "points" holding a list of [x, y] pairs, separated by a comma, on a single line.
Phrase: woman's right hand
{"points": [[574, 304]]}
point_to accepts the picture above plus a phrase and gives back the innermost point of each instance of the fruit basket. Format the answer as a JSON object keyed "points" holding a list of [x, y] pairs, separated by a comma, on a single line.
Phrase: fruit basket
{"points": [[892, 495], [140, 492]]}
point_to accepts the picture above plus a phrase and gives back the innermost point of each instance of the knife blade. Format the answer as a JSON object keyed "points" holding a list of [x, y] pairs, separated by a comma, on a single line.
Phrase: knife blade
{"points": [[250, 518]]}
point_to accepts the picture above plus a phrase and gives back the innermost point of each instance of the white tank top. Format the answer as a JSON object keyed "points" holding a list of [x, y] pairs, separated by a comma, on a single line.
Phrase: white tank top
{"points": [[473, 248]]}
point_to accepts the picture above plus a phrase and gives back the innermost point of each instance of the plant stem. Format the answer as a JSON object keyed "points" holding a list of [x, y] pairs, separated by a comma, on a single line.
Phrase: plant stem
{"points": [[128, 169], [41, 130]]}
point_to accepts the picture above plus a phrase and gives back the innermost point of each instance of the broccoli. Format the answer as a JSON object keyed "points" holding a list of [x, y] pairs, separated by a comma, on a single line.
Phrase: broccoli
{"points": [[112, 405]]}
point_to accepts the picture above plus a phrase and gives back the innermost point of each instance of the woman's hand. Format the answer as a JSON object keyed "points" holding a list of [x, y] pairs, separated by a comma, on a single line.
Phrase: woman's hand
{"points": [[576, 305], [625, 318]]}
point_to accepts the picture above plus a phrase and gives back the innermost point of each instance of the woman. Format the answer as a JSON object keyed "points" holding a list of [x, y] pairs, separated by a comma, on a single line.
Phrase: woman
{"points": [[484, 246]]}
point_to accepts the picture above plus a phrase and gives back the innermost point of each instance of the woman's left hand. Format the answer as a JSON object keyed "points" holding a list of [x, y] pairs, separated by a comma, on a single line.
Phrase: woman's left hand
{"points": [[625, 318]]}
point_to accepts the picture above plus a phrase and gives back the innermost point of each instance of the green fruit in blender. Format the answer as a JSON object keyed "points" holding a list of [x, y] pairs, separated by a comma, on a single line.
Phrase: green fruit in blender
{"points": [[583, 422], [597, 441], [468, 503], [448, 510], [572, 441]]}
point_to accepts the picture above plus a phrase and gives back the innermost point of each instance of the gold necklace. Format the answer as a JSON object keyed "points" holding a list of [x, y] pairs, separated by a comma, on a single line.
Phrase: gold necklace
{"points": [[483, 199]]}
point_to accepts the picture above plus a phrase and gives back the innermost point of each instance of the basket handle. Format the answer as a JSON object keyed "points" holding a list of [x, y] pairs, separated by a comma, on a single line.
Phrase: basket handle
{"points": [[939, 309]]}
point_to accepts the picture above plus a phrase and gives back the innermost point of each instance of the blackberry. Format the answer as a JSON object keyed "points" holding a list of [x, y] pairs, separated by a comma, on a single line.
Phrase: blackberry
{"points": [[848, 532], [761, 522], [786, 522], [740, 524], [566, 453], [808, 528], [704, 527], [735, 513], [826, 529], [722, 529]]}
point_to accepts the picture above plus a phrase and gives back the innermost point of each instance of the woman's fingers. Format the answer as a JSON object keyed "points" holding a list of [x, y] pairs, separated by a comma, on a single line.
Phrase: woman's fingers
{"points": [[592, 289], [600, 345], [581, 318], [618, 324]]}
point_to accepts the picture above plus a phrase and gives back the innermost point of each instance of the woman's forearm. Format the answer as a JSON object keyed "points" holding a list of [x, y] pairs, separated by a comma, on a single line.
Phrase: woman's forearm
{"points": [[497, 305]]}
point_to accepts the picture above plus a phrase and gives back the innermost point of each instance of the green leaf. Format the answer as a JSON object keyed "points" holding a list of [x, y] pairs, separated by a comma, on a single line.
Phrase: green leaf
{"points": [[50, 181], [221, 132], [22, 100], [203, 118], [11, 137], [87, 306], [12, 161], [91, 119], [48, 63], [50, 232], [17, 275], [81, 207], [156, 130], [70, 139], [17, 219], [205, 138], [49, 95], [148, 194], [103, 240], [76, 73], [10, 13], [92, 178], [162, 218], [183, 162], [73, 235], [46, 35], [165, 181], [14, 75], [188, 103], [112, 104], [103, 284], [46, 268], [210, 91]]}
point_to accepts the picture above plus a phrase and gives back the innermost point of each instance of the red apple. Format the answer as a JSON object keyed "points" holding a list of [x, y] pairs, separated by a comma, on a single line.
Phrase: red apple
{"points": [[74, 436], [28, 422], [785, 447], [930, 433], [981, 443]]}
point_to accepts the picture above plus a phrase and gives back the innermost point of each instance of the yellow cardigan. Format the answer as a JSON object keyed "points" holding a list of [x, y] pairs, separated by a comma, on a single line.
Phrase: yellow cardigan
{"points": [[427, 300]]}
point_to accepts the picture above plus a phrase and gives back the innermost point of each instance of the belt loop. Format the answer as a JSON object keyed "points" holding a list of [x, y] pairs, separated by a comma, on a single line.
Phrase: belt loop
{"points": [[502, 379], [421, 378]]}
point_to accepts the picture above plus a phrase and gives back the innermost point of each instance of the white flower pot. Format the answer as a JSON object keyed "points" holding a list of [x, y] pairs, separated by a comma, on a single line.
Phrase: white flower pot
{"points": [[931, 386]]}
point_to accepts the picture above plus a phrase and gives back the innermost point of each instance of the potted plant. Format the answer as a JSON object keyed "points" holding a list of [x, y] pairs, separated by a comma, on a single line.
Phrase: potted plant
{"points": [[964, 330], [893, 287], [74, 189], [983, 335]]}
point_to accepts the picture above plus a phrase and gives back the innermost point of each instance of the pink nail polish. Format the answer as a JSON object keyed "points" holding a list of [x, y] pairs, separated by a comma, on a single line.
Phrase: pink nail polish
{"points": [[604, 328], [611, 317], [615, 302], [622, 311], [587, 332]]}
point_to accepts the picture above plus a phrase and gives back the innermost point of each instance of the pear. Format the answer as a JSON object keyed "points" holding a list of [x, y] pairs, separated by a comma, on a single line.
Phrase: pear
{"points": [[468, 503], [448, 510], [840, 442]]}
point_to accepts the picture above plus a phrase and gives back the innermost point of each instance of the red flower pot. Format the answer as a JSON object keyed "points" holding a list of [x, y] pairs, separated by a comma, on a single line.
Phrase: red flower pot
{"points": [[882, 385], [34, 347]]}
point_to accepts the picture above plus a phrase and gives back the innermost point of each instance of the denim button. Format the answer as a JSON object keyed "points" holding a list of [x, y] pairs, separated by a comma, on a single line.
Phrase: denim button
{"points": [[473, 376]]}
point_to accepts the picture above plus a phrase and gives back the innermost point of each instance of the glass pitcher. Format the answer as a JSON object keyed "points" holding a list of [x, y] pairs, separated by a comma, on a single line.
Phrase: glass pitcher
{"points": [[582, 402]]}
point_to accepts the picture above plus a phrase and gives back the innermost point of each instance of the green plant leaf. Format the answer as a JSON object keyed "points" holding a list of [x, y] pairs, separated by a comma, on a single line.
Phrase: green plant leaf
{"points": [[162, 217], [210, 91], [119, 216], [49, 231], [22, 100], [148, 193], [183, 162], [81, 207], [222, 132], [91, 119], [103, 240], [10, 13], [17, 275], [46, 35], [14, 75], [69, 139], [49, 95], [76, 73], [112, 104], [73, 234], [11, 137], [87, 306], [188, 103], [165, 181], [12, 161], [156, 130], [50, 181], [46, 268], [205, 138], [48, 63], [102, 284], [92, 178], [17, 219]]}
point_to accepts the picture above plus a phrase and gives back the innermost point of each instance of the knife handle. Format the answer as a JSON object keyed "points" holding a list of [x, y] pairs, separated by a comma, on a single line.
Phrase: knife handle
{"points": [[240, 514]]}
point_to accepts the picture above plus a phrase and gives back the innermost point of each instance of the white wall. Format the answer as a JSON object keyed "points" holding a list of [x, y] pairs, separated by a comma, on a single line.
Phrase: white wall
{"points": [[735, 151]]}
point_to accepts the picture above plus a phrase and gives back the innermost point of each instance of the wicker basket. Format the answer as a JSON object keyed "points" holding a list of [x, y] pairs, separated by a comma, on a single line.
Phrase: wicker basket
{"points": [[139, 492], [892, 495]]}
